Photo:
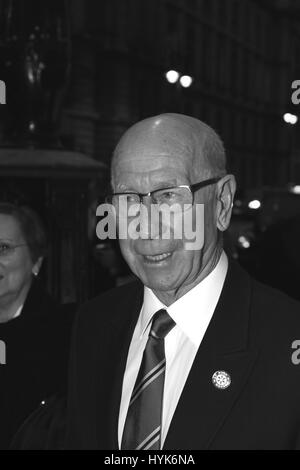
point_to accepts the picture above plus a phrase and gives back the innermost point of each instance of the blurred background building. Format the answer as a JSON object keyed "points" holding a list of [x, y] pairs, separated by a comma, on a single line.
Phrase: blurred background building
{"points": [[241, 54], [233, 63]]}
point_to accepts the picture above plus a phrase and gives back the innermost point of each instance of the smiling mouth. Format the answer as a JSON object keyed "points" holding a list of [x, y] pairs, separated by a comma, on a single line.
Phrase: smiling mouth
{"points": [[157, 258]]}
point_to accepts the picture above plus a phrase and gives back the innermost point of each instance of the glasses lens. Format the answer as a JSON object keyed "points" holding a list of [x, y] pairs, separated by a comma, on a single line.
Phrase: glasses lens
{"points": [[127, 204], [5, 249], [178, 199]]}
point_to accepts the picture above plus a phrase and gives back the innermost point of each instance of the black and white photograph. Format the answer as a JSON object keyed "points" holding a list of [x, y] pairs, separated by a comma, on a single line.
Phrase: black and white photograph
{"points": [[149, 227]]}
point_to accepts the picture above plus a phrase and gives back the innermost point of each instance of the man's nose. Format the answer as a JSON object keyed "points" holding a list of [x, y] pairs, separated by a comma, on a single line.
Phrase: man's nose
{"points": [[149, 219]]}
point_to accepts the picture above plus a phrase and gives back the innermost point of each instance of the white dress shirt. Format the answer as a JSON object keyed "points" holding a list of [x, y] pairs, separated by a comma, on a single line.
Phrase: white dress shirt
{"points": [[192, 314]]}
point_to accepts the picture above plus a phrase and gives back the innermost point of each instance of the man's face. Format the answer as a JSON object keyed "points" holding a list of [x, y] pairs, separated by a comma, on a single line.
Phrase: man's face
{"points": [[155, 161]]}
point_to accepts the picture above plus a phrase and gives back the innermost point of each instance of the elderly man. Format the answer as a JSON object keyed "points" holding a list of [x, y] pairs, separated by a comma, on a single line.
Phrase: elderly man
{"points": [[196, 354]]}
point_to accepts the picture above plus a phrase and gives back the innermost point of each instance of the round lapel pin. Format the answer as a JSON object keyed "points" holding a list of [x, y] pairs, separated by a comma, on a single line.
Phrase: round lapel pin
{"points": [[221, 379]]}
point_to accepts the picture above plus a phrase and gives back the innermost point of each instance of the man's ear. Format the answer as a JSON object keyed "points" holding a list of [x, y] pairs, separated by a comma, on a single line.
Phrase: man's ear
{"points": [[225, 196]]}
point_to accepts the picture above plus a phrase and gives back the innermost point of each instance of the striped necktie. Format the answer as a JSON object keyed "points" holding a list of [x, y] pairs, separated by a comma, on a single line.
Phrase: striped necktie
{"points": [[142, 430]]}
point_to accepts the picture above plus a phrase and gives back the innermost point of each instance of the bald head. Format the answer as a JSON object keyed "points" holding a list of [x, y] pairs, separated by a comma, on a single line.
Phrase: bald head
{"points": [[200, 147], [163, 155]]}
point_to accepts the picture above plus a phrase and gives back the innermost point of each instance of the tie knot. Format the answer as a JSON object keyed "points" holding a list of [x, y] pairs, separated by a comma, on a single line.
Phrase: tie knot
{"points": [[162, 323]]}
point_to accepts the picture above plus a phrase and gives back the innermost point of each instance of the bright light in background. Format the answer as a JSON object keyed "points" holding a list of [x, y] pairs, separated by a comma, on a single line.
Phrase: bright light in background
{"points": [[255, 204], [186, 81], [244, 242], [290, 118], [295, 189], [172, 76]]}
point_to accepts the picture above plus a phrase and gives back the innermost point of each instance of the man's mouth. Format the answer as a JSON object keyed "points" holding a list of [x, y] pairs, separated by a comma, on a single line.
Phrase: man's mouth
{"points": [[157, 258]]}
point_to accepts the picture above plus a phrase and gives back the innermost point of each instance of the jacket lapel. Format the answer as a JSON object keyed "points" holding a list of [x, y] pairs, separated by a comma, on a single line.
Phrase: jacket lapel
{"points": [[203, 408], [112, 362]]}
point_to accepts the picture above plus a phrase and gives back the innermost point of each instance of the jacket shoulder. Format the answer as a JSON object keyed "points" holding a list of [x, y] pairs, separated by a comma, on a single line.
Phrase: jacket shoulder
{"points": [[110, 301], [275, 301], [276, 314]]}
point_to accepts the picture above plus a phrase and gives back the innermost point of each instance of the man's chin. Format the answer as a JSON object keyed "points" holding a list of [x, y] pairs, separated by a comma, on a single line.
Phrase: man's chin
{"points": [[158, 283]]}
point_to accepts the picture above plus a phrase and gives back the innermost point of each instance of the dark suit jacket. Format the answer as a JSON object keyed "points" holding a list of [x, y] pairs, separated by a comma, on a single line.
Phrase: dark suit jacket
{"points": [[250, 337], [37, 350]]}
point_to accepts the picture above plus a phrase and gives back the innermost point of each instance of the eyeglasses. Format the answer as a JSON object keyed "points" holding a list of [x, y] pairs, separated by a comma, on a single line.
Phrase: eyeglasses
{"points": [[7, 249], [179, 197]]}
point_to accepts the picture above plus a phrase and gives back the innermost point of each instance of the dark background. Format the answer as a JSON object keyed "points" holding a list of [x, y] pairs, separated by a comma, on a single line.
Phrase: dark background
{"points": [[242, 54]]}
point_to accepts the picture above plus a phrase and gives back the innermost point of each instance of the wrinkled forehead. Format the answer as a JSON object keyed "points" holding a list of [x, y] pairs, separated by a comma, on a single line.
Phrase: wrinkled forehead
{"points": [[157, 142]]}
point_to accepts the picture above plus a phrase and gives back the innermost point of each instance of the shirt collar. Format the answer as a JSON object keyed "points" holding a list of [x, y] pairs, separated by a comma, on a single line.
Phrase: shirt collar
{"points": [[193, 311]]}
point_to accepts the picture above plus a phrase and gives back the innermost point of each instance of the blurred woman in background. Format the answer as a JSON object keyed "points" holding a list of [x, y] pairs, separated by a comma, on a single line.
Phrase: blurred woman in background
{"points": [[33, 326]]}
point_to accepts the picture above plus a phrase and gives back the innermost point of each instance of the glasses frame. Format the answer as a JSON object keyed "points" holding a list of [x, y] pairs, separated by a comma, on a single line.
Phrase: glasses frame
{"points": [[191, 187], [11, 248]]}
